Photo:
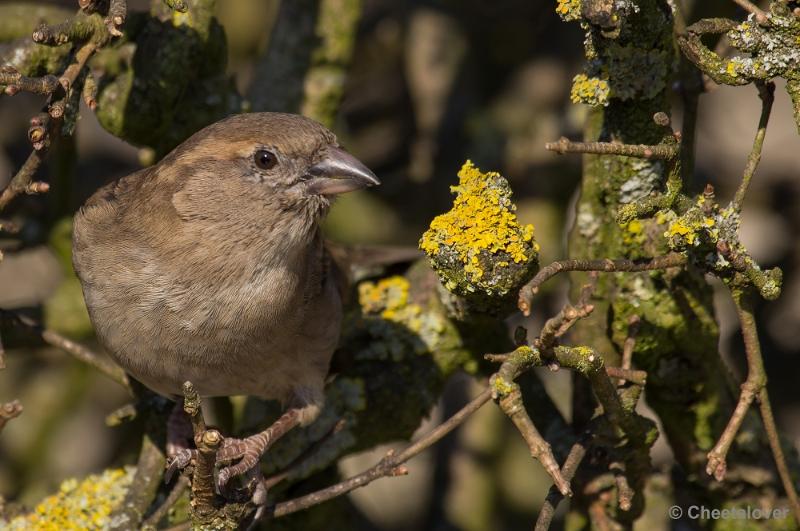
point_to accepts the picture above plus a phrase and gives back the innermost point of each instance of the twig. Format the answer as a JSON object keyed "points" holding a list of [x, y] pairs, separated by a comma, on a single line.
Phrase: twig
{"points": [[766, 91], [43, 128], [16, 82], [629, 375], [760, 15], [624, 491], [390, 465], [557, 326], [554, 496], [8, 411], [509, 396], [511, 404], [117, 11], [754, 386], [192, 407], [22, 179], [605, 265], [172, 498], [204, 496], [658, 151], [630, 343], [104, 365], [77, 29]]}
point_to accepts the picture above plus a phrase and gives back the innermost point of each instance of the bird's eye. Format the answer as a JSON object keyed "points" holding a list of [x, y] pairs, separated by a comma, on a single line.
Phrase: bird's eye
{"points": [[265, 159]]}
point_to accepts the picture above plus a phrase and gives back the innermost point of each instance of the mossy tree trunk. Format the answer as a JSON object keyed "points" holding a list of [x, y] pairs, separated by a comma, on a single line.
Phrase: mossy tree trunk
{"points": [[631, 55]]}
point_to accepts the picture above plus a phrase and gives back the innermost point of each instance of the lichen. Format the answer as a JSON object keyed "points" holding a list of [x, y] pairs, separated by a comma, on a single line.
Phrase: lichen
{"points": [[387, 300], [479, 246], [710, 236], [569, 10], [645, 179], [78, 505], [593, 91]]}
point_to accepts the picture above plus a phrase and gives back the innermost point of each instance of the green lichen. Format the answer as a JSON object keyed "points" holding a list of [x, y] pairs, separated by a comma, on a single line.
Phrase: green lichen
{"points": [[479, 247], [78, 505]]}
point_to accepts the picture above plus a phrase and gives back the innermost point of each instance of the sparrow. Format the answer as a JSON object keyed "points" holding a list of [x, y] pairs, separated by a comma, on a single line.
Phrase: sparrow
{"points": [[210, 267]]}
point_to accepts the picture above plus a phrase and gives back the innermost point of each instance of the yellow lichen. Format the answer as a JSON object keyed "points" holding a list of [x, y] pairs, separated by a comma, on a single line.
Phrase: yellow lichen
{"points": [[480, 236], [388, 299], [633, 233], [569, 10], [77, 505], [590, 90], [693, 227]]}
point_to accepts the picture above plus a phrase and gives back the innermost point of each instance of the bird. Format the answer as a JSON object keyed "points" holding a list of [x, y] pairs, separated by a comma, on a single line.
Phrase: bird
{"points": [[210, 266]]}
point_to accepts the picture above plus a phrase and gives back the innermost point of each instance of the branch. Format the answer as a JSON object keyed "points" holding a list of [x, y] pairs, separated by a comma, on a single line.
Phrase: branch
{"points": [[44, 127], [172, 498], [755, 386], [390, 465], [16, 82], [766, 91], [81, 28], [510, 400], [605, 265], [554, 496], [760, 15], [658, 151], [84, 354]]}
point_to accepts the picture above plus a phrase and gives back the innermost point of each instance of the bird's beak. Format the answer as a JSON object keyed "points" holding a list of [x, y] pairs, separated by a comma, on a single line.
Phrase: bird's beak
{"points": [[339, 172]]}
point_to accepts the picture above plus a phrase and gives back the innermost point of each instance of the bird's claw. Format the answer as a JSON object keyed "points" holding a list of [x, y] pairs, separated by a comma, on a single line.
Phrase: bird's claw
{"points": [[248, 451], [179, 461]]}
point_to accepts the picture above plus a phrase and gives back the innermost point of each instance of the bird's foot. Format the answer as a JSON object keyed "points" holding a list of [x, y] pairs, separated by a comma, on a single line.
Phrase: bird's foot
{"points": [[250, 449], [178, 462], [179, 440], [179, 431]]}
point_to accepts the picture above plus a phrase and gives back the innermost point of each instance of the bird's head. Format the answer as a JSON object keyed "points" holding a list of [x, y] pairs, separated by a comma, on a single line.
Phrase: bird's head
{"points": [[271, 160]]}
